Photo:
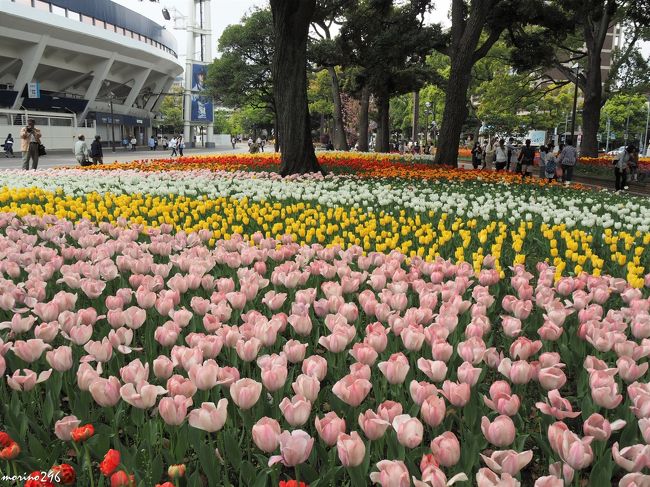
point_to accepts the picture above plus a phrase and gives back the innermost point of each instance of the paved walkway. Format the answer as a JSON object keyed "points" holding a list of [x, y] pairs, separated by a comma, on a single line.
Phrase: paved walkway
{"points": [[63, 158]]}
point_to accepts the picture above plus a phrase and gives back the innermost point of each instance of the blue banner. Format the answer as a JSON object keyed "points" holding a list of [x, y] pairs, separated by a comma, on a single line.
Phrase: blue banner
{"points": [[202, 106]]}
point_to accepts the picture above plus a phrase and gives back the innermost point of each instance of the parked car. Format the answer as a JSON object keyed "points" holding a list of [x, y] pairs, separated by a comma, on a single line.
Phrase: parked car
{"points": [[616, 152]]}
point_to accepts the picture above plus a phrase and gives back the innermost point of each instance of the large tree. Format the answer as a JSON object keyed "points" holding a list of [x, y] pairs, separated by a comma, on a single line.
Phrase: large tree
{"points": [[389, 41], [291, 21], [475, 27], [594, 21], [241, 77]]}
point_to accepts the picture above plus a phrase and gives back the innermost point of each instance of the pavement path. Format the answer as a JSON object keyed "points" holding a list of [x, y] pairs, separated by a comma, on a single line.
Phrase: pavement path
{"points": [[63, 158]]}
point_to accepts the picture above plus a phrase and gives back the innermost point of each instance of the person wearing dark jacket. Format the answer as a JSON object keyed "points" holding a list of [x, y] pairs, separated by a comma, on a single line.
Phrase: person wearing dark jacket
{"points": [[96, 151]]}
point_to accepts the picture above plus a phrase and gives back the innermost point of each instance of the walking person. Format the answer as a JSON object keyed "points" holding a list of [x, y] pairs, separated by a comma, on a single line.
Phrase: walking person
{"points": [[543, 151], [180, 142], [513, 155], [525, 159], [476, 155], [501, 156], [30, 138], [550, 163], [134, 142], [621, 167], [96, 151], [634, 163], [567, 159], [233, 141], [152, 143], [484, 148], [262, 144], [125, 142], [81, 151], [9, 146], [172, 146], [165, 143]]}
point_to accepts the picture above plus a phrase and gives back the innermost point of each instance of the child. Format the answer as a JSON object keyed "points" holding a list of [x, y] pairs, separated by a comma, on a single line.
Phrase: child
{"points": [[550, 163]]}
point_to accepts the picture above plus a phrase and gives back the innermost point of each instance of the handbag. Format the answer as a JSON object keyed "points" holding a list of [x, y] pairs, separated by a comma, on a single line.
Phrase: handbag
{"points": [[41, 150]]}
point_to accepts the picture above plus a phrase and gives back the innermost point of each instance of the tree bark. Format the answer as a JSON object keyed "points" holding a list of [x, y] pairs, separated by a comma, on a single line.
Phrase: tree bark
{"points": [[416, 115], [276, 144], [382, 142], [455, 112], [340, 141], [364, 107], [591, 108], [291, 20]]}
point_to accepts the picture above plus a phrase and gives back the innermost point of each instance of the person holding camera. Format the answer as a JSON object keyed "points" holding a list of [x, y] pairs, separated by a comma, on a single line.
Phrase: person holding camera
{"points": [[81, 152], [30, 138]]}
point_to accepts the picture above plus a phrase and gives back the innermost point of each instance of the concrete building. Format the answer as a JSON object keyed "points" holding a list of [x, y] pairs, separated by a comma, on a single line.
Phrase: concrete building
{"points": [[93, 67]]}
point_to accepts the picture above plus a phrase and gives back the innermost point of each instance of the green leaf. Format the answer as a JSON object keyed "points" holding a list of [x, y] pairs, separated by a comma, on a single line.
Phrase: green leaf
{"points": [[601, 473], [233, 452]]}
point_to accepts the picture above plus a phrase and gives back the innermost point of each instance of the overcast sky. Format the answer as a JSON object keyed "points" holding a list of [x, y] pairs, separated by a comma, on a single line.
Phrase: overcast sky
{"points": [[225, 13]]}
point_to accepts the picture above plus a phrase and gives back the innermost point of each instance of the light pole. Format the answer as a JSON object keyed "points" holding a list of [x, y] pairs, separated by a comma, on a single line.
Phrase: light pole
{"points": [[575, 106], [111, 95], [609, 121]]}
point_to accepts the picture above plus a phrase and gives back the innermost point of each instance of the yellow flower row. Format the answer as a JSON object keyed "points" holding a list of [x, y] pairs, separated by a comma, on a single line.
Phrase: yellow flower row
{"points": [[416, 234]]}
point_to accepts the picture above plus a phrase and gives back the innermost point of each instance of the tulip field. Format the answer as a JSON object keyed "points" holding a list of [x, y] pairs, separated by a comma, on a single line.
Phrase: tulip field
{"points": [[204, 322]]}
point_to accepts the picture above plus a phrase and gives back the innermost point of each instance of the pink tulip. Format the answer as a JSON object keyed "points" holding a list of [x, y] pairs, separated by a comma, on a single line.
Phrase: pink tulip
{"points": [[177, 385], [629, 370], [501, 432], [644, 426], [395, 369], [301, 324], [421, 390], [472, 350], [295, 448], [507, 461], [106, 392], [487, 478], [64, 426], [632, 458], [30, 350], [468, 374], [433, 410], [557, 406], [294, 351], [636, 479], [409, 430], [295, 410], [86, 375], [141, 395], [364, 353], [135, 372], [316, 366], [441, 350], [248, 350], [574, 451], [100, 351], [134, 317], [549, 481], [173, 410], [391, 474], [551, 378], [236, 299], [204, 375], [245, 393], [163, 367], [266, 434], [436, 370], [209, 417], [601, 429], [456, 394], [519, 372], [351, 449], [372, 425], [446, 449], [60, 359], [307, 386], [329, 427], [352, 390]]}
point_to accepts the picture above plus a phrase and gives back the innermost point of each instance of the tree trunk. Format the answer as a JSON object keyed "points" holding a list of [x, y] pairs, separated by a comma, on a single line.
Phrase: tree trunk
{"points": [[364, 107], [416, 115], [593, 95], [340, 141], [455, 111], [382, 142], [291, 20]]}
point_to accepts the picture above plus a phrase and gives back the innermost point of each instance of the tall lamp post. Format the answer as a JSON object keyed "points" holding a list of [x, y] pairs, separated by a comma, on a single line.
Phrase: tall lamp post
{"points": [[111, 96], [427, 110], [645, 134], [575, 106]]}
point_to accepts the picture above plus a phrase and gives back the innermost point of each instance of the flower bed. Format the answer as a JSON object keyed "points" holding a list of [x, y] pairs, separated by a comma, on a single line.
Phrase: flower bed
{"points": [[204, 322]]}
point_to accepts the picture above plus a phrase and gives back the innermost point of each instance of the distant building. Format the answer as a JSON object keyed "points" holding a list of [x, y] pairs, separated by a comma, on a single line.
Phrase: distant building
{"points": [[75, 57]]}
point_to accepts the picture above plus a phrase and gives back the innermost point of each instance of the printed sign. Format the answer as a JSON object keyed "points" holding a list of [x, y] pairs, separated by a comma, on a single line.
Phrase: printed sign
{"points": [[202, 107], [34, 90], [537, 137]]}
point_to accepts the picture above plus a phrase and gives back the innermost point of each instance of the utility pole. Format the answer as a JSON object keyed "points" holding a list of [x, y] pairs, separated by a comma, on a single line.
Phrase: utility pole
{"points": [[645, 134], [111, 96], [609, 121], [416, 115]]}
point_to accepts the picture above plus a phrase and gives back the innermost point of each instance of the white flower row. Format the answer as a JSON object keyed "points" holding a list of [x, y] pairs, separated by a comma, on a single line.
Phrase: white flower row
{"points": [[510, 202]]}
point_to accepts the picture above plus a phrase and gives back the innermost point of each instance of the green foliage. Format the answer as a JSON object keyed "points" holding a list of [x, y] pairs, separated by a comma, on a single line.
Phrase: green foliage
{"points": [[227, 122], [241, 77], [319, 93], [621, 107], [171, 110]]}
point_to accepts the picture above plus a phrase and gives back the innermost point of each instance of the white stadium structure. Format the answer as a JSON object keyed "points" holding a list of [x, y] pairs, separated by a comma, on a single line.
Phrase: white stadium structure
{"points": [[70, 63]]}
